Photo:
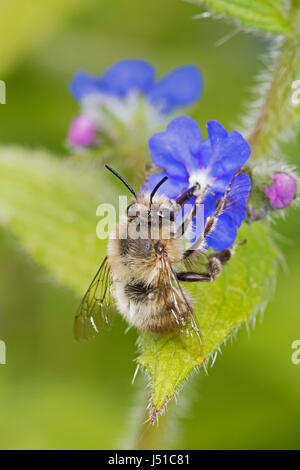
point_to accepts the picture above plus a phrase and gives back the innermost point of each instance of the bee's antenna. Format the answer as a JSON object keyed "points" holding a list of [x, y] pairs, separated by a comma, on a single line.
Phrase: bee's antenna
{"points": [[156, 188], [122, 179]]}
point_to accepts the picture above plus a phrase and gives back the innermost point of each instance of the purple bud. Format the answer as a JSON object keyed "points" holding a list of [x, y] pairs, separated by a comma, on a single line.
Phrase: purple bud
{"points": [[282, 191], [82, 132]]}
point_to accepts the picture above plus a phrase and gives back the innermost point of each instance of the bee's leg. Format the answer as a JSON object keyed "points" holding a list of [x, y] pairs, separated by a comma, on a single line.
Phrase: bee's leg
{"points": [[181, 200], [214, 268], [222, 256], [210, 222], [193, 277], [185, 196]]}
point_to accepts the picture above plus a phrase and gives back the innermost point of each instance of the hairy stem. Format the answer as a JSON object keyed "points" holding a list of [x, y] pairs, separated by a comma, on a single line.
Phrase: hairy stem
{"points": [[276, 117]]}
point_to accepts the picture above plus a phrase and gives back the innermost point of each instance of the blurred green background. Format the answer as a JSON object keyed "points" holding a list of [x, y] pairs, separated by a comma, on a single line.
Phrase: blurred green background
{"points": [[55, 393]]}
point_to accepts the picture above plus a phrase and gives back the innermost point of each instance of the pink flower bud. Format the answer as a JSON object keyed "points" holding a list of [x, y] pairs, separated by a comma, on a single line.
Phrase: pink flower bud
{"points": [[82, 132], [282, 191]]}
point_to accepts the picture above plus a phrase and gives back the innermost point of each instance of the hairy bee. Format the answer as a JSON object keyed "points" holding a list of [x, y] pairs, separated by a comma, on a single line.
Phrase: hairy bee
{"points": [[139, 273]]}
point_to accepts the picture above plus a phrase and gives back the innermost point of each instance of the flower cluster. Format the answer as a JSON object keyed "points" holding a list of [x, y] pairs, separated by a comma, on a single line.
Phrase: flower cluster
{"points": [[212, 163], [127, 100], [127, 95]]}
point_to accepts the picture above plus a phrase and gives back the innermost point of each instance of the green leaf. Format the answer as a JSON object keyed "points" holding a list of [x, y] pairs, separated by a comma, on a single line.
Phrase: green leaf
{"points": [[221, 307], [50, 205], [266, 15]]}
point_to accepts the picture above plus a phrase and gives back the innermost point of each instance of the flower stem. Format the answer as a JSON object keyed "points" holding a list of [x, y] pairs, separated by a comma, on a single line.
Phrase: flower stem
{"points": [[276, 117]]}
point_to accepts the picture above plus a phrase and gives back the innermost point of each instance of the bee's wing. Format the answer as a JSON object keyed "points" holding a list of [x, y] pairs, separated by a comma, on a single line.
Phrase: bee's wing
{"points": [[92, 313], [178, 295]]}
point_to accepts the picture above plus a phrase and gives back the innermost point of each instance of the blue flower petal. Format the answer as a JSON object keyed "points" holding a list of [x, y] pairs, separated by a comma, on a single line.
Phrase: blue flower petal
{"points": [[170, 188], [84, 84], [209, 204], [221, 184], [180, 151], [181, 87], [225, 230], [233, 154], [177, 149], [216, 132], [223, 153], [128, 75], [185, 210], [237, 198], [223, 235], [205, 153]]}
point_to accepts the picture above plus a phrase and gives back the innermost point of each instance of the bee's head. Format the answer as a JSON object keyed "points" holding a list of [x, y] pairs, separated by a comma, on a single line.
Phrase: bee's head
{"points": [[150, 213], [162, 210], [152, 222]]}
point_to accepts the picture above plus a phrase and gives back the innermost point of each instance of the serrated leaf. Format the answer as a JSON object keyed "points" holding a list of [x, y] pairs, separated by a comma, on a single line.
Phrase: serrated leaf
{"points": [[221, 307], [50, 205], [266, 15]]}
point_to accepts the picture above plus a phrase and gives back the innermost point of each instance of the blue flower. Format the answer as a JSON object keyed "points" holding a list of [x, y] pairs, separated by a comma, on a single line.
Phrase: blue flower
{"points": [[181, 87], [187, 159]]}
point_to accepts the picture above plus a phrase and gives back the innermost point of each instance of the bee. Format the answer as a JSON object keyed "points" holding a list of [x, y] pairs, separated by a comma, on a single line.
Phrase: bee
{"points": [[142, 275]]}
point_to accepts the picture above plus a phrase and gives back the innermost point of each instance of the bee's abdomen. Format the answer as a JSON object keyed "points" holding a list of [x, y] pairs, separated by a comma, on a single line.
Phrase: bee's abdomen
{"points": [[151, 308], [139, 291]]}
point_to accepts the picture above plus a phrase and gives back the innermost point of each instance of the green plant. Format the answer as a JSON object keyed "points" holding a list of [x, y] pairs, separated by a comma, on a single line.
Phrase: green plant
{"points": [[50, 205]]}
